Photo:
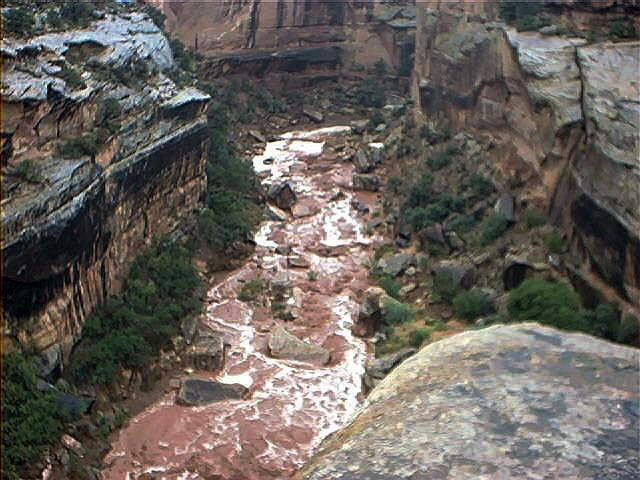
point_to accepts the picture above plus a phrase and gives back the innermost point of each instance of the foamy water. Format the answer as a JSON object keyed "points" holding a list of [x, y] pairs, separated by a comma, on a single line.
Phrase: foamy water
{"points": [[293, 405]]}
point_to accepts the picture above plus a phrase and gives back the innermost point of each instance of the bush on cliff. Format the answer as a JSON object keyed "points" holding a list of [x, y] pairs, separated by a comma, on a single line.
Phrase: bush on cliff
{"points": [[160, 289], [18, 21], [471, 304], [231, 212], [493, 228], [31, 419], [87, 145]]}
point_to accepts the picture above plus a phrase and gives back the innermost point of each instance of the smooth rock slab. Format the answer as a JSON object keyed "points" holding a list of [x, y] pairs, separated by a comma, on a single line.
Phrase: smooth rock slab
{"points": [[507, 402], [200, 391], [284, 345]]}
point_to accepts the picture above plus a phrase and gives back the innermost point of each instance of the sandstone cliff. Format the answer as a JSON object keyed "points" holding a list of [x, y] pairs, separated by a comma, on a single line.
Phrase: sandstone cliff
{"points": [[561, 108], [102, 151], [519, 402], [362, 32]]}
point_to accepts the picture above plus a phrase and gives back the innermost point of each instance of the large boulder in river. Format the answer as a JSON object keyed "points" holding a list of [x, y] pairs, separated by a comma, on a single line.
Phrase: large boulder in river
{"points": [[201, 391], [284, 345], [507, 402], [206, 353]]}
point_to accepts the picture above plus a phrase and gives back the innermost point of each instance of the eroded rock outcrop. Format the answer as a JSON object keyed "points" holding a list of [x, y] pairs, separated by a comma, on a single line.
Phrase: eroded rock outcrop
{"points": [[561, 113], [520, 401], [294, 35], [73, 220]]}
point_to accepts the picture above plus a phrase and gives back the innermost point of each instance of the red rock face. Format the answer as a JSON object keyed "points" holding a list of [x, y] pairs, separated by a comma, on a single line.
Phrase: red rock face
{"points": [[292, 405]]}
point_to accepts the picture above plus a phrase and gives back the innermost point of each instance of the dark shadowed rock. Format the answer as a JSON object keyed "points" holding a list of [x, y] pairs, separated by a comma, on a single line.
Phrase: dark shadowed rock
{"points": [[462, 273], [369, 313], [434, 234], [363, 181], [380, 367], [282, 195], [314, 115], [75, 405], [396, 264], [282, 344], [507, 402], [199, 391]]}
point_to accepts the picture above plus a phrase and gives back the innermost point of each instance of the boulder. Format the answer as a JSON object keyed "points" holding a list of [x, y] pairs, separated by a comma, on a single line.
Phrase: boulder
{"points": [[359, 126], [359, 206], [381, 367], [505, 206], [397, 264], [362, 162], [75, 405], [283, 195], [274, 214], [505, 402], [206, 353], [434, 234], [370, 312], [284, 345], [73, 445], [189, 329], [368, 182], [462, 273], [298, 262], [49, 361], [196, 391], [407, 289], [256, 135], [314, 115]]}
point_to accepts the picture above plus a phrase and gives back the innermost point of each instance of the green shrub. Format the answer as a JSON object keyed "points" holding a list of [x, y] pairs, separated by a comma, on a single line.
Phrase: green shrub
{"points": [[445, 286], [375, 119], [394, 184], [156, 15], [553, 242], [551, 303], [512, 10], [629, 330], [27, 171], [108, 111], [162, 288], [251, 290], [396, 312], [72, 78], [493, 228], [603, 322], [78, 147], [471, 304], [18, 21], [312, 275], [534, 218], [54, 20], [622, 29], [418, 336], [231, 213], [31, 419], [380, 67], [389, 285], [480, 186], [382, 250], [463, 224], [77, 12], [420, 193], [370, 94]]}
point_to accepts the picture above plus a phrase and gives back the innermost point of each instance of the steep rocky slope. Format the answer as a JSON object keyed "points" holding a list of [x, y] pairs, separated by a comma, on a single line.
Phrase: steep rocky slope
{"points": [[102, 151], [362, 32], [560, 106], [519, 401]]}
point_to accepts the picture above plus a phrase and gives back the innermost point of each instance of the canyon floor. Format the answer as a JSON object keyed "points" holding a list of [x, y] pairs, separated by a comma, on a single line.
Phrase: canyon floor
{"points": [[291, 405]]}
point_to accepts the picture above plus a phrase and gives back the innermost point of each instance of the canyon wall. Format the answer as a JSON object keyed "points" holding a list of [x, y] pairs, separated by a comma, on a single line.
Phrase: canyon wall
{"points": [[72, 222], [561, 110], [362, 31]]}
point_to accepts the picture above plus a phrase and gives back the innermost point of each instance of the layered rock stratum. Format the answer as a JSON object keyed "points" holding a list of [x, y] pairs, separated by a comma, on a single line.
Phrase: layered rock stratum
{"points": [[562, 113], [72, 225], [520, 401]]}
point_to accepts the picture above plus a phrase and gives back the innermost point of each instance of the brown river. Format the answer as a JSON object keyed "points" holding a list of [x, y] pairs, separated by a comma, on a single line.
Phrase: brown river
{"points": [[292, 405]]}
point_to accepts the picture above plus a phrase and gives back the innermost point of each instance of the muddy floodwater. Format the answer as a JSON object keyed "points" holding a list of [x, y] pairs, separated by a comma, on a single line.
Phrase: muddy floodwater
{"points": [[292, 406]]}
